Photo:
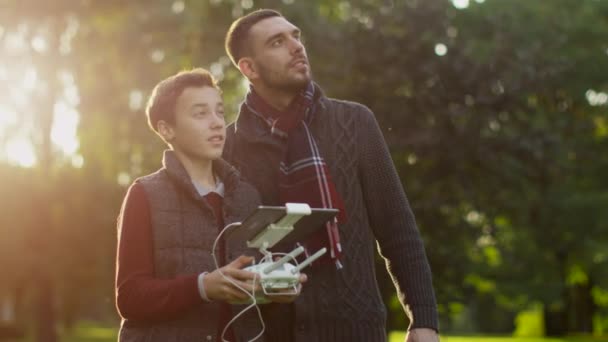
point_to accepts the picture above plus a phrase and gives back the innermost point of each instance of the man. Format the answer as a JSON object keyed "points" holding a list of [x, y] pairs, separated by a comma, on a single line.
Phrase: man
{"points": [[167, 284], [294, 144]]}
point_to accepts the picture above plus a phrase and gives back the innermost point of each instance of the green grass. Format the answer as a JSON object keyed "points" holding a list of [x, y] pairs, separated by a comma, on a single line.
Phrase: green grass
{"points": [[93, 332], [400, 337]]}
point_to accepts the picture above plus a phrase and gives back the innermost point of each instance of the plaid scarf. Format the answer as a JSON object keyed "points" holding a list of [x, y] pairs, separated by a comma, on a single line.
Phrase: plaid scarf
{"points": [[304, 176]]}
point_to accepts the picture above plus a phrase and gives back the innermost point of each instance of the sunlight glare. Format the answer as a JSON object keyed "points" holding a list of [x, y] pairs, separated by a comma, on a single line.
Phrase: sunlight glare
{"points": [[15, 42], [65, 42], [71, 95], [474, 217], [123, 178], [412, 159], [64, 130], [217, 70], [596, 98], [460, 4], [66, 77], [39, 44], [19, 97], [246, 4], [30, 79], [70, 90], [136, 100], [7, 117], [17, 117], [157, 56], [77, 161], [178, 7], [21, 152]]}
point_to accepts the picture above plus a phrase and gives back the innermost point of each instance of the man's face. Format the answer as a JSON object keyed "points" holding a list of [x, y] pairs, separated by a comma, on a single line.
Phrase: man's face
{"points": [[278, 55], [199, 130]]}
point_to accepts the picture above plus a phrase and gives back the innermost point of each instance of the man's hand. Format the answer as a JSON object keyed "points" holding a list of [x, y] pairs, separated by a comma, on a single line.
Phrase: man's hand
{"points": [[218, 287], [276, 297], [422, 335]]}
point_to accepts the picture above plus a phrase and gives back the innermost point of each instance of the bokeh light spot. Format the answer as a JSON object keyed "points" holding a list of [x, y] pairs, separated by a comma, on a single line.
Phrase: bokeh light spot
{"points": [[441, 49], [460, 4]]}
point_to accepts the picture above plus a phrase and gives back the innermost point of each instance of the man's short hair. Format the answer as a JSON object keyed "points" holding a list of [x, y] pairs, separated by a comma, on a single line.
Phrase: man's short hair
{"points": [[161, 104], [236, 39]]}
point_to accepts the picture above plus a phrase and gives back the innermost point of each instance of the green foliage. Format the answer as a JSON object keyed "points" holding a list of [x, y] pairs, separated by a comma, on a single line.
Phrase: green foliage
{"points": [[400, 337], [529, 323]]}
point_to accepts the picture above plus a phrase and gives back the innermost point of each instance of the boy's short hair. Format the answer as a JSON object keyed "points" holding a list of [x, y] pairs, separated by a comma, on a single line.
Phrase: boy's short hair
{"points": [[161, 104], [236, 38]]}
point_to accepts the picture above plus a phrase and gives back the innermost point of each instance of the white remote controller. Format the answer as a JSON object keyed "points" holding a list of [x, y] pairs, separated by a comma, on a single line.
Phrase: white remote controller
{"points": [[280, 277], [280, 281]]}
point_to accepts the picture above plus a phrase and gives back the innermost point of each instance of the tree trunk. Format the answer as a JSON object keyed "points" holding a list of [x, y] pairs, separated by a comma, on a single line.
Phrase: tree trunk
{"points": [[43, 232], [582, 308], [556, 321], [45, 311], [556, 316]]}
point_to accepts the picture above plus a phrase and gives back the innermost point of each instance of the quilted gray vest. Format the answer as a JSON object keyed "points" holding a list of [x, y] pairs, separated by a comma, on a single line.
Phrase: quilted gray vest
{"points": [[184, 229]]}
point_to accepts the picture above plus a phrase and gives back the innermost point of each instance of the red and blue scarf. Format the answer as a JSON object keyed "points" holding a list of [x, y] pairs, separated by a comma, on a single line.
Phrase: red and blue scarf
{"points": [[304, 175]]}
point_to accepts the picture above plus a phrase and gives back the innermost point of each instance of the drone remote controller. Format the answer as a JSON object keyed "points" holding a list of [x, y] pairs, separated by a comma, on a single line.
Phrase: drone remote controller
{"points": [[271, 225], [281, 277]]}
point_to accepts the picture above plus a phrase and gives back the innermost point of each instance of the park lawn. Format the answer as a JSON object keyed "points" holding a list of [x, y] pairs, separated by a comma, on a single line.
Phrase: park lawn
{"points": [[400, 336], [93, 332]]}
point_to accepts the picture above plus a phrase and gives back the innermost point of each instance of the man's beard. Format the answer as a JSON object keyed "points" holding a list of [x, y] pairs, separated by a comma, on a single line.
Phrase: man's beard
{"points": [[274, 80]]}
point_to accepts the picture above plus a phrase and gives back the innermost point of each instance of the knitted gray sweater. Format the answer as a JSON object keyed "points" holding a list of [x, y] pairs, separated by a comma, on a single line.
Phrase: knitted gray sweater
{"points": [[344, 305]]}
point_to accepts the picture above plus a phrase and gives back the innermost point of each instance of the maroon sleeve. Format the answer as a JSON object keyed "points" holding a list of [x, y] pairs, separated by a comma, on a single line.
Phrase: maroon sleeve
{"points": [[139, 295]]}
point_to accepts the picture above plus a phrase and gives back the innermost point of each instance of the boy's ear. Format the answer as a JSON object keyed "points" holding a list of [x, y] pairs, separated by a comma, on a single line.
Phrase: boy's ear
{"points": [[165, 130], [248, 68]]}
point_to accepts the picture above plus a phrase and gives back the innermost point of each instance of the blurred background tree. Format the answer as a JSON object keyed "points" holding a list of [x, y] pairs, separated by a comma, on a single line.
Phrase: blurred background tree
{"points": [[496, 113]]}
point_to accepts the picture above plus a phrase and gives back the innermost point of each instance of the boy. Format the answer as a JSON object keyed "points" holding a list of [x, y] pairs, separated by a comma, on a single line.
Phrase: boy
{"points": [[167, 287]]}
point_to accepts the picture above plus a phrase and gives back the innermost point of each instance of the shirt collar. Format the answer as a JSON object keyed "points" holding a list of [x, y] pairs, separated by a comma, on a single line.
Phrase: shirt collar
{"points": [[204, 191]]}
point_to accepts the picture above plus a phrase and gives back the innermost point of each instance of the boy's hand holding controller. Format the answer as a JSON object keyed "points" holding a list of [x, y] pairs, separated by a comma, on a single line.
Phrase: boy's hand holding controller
{"points": [[217, 287]]}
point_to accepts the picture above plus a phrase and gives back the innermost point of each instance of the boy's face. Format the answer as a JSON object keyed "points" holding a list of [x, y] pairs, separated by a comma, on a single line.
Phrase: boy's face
{"points": [[278, 54], [199, 131]]}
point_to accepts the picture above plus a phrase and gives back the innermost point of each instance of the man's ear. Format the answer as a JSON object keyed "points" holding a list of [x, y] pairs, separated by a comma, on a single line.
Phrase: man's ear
{"points": [[248, 68], [165, 130]]}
